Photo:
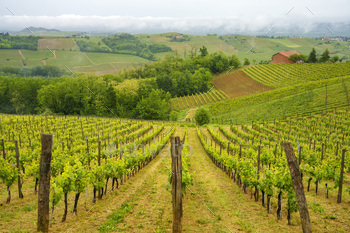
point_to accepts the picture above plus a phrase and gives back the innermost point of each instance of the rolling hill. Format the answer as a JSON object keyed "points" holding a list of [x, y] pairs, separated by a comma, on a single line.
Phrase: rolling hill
{"points": [[254, 48]]}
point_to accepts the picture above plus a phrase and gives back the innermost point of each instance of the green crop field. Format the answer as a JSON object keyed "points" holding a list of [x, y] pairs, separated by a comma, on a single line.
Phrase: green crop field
{"points": [[11, 54], [99, 58], [44, 54], [281, 75], [313, 97], [57, 43], [33, 62], [198, 100], [69, 58], [109, 173], [5, 63], [263, 48]]}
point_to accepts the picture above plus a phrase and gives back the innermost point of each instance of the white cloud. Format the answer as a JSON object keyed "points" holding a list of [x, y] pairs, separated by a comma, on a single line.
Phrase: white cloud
{"points": [[193, 25]]}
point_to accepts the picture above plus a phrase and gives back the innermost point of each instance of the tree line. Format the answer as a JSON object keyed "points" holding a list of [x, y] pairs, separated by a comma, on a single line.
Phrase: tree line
{"points": [[312, 58], [142, 92], [124, 43], [18, 42]]}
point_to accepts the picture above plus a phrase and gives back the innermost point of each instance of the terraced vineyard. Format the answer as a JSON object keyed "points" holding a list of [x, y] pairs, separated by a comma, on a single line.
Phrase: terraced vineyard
{"points": [[283, 75], [311, 97], [238, 84], [185, 102]]}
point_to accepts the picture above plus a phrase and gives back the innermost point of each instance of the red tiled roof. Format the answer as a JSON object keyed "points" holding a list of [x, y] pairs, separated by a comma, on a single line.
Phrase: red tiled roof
{"points": [[288, 53]]}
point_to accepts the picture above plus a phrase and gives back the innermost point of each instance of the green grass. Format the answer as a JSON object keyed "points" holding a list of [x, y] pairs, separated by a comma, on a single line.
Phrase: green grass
{"points": [[317, 208], [116, 218], [42, 54], [94, 68], [16, 63], [182, 114], [123, 58], [33, 62], [10, 54], [70, 59]]}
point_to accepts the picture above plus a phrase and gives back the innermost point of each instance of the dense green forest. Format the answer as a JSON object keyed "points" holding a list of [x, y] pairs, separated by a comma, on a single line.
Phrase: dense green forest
{"points": [[124, 43], [18, 42], [142, 92], [44, 71], [90, 46]]}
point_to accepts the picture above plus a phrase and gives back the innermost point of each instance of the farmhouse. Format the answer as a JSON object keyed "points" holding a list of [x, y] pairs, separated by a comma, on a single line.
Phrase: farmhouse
{"points": [[282, 57]]}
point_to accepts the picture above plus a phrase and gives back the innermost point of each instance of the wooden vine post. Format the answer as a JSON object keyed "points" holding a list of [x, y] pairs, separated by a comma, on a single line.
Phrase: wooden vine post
{"points": [[298, 187], [258, 176], [341, 177], [20, 194], [3, 149], [176, 168], [44, 183]]}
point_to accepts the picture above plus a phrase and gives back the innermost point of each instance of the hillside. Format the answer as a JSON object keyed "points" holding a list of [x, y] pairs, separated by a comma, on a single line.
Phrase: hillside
{"points": [[310, 97], [263, 49], [283, 75]]}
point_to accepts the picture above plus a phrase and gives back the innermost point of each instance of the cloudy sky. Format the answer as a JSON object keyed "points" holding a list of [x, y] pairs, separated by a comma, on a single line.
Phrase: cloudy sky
{"points": [[196, 16]]}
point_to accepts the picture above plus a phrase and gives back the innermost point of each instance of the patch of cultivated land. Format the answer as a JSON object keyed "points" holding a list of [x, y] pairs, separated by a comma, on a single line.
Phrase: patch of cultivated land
{"points": [[56, 43], [238, 84]]}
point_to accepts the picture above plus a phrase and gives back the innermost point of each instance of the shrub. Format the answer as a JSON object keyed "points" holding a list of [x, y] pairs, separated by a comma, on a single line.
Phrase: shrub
{"points": [[202, 116]]}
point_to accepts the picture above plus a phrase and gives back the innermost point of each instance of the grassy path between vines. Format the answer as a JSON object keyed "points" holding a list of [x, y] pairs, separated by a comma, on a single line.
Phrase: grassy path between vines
{"points": [[219, 205]]}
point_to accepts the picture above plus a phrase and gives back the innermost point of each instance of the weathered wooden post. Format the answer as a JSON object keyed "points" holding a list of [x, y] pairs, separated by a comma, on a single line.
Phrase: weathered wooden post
{"points": [[341, 177], [3, 149], [258, 176], [44, 183], [298, 187], [176, 167], [100, 192], [20, 194], [121, 156], [228, 148]]}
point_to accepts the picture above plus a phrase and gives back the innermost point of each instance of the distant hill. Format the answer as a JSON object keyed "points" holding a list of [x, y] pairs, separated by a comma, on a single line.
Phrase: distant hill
{"points": [[256, 49], [35, 29]]}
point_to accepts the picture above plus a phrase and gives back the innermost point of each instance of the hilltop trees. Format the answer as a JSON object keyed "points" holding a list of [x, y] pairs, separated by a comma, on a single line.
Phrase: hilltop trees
{"points": [[154, 107], [141, 92], [298, 58], [325, 56], [312, 57], [203, 51]]}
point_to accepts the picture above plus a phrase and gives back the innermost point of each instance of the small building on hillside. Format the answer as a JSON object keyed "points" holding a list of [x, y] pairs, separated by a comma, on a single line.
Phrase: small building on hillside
{"points": [[283, 57]]}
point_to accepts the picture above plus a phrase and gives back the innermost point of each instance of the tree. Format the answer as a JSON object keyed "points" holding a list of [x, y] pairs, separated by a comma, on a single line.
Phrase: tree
{"points": [[174, 115], [325, 56], [202, 116], [335, 59], [203, 51], [246, 62], [254, 61], [17, 102], [298, 58], [312, 57], [155, 107], [234, 61]]}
